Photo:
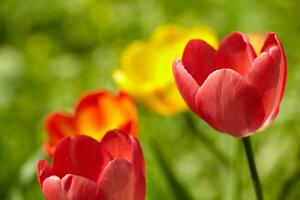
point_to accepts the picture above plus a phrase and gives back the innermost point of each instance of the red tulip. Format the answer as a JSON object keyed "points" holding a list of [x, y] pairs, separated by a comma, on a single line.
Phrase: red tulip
{"points": [[84, 169], [231, 88]]}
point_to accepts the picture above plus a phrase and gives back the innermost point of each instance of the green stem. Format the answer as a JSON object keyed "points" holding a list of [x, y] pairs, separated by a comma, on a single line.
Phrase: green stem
{"points": [[252, 167], [206, 140]]}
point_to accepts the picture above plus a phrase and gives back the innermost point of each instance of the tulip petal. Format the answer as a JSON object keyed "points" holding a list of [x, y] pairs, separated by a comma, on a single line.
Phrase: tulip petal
{"points": [[265, 77], [122, 146], [273, 40], [58, 125], [117, 145], [97, 113], [78, 188], [198, 59], [130, 124], [235, 52], [116, 181], [140, 186], [138, 157], [52, 188], [89, 117], [186, 84], [43, 171], [229, 104], [80, 155], [139, 168]]}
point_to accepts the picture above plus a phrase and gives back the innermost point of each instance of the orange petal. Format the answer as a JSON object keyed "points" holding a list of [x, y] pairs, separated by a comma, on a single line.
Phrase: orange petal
{"points": [[99, 112], [130, 112]]}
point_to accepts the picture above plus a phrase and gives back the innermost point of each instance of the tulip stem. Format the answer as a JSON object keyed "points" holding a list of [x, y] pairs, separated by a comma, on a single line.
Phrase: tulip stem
{"points": [[252, 167], [206, 141]]}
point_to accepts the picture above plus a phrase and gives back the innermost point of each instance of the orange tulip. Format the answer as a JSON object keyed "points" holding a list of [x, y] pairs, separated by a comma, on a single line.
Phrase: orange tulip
{"points": [[95, 114]]}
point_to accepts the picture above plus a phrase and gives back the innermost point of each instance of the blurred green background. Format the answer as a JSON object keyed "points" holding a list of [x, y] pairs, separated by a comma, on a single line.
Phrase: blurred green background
{"points": [[52, 50]]}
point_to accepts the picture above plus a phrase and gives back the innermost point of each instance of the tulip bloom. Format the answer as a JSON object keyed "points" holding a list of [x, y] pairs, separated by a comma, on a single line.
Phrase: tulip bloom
{"points": [[144, 71], [84, 169], [95, 114], [231, 88]]}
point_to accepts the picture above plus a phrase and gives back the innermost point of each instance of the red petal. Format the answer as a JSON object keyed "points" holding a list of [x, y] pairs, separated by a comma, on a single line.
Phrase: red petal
{"points": [[273, 40], [52, 188], [43, 171], [117, 145], [198, 59], [235, 52], [139, 165], [120, 145], [265, 77], [78, 188], [138, 157], [117, 181], [186, 84], [80, 155], [229, 104], [58, 125], [140, 186]]}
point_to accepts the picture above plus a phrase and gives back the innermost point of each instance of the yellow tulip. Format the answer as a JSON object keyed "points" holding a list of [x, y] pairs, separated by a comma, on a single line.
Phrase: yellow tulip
{"points": [[145, 70]]}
